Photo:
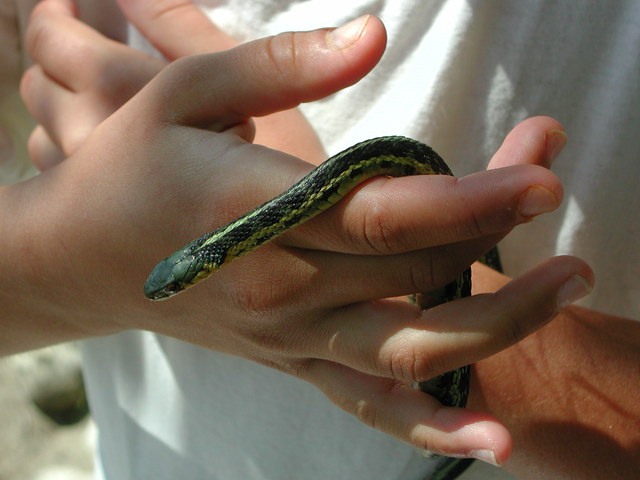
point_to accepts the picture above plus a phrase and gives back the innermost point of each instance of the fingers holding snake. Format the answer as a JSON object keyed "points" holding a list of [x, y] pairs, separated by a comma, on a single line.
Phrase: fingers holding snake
{"points": [[409, 345], [390, 344], [394, 215], [306, 303]]}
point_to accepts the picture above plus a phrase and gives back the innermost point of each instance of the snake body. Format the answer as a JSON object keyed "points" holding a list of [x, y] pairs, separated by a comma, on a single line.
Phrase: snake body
{"points": [[316, 192]]}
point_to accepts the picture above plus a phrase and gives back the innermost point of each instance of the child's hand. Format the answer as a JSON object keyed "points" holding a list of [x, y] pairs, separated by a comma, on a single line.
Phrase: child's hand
{"points": [[82, 76]]}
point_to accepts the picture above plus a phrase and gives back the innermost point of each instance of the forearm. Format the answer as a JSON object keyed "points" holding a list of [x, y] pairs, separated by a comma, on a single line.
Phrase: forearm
{"points": [[569, 395], [35, 311]]}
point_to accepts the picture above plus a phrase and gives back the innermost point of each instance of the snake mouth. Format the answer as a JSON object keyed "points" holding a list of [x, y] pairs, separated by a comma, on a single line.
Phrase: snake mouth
{"points": [[161, 284], [171, 276], [154, 292]]}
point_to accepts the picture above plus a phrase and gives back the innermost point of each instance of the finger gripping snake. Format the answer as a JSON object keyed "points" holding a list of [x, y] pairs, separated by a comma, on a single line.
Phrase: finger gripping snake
{"points": [[319, 190]]}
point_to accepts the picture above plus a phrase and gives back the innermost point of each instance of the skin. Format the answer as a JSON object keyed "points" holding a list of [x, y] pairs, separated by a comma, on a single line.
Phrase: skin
{"points": [[312, 326], [568, 394]]}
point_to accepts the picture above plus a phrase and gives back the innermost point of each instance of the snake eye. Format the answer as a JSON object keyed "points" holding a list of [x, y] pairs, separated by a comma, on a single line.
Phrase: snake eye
{"points": [[171, 288]]}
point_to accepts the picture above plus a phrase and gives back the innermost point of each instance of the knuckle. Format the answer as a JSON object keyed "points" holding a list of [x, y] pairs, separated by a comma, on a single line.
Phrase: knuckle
{"points": [[73, 138], [181, 73], [424, 443], [488, 223], [164, 9], [279, 68], [471, 224], [37, 31], [422, 276], [515, 330], [379, 232], [42, 37], [301, 368], [426, 368], [281, 54], [269, 320], [403, 365], [369, 410], [374, 411], [27, 84], [255, 302], [475, 225], [263, 334], [34, 146], [177, 68], [40, 146], [366, 412], [407, 363], [520, 320], [516, 320], [118, 81], [478, 219], [375, 229], [433, 270], [475, 222], [253, 292], [109, 78]]}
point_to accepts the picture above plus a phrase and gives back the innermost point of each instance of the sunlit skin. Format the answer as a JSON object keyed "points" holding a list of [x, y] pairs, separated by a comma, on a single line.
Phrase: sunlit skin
{"points": [[119, 179]]}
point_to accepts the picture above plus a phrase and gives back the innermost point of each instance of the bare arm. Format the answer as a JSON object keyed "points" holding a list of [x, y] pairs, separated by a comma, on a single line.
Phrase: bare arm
{"points": [[568, 394]]}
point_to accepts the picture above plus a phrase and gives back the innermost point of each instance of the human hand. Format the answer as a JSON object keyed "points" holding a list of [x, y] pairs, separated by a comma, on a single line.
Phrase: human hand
{"points": [[307, 303], [164, 24], [86, 76], [568, 394]]}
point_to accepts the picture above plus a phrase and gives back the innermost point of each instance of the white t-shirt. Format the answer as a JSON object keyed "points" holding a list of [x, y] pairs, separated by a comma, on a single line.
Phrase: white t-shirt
{"points": [[457, 75]]}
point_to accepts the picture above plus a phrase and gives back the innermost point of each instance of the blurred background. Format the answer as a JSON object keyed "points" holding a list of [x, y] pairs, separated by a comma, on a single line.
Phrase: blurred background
{"points": [[46, 433]]}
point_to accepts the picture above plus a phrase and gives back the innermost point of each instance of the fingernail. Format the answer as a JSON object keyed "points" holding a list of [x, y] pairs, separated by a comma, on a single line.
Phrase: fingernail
{"points": [[555, 142], [536, 200], [485, 456], [346, 35], [573, 289]]}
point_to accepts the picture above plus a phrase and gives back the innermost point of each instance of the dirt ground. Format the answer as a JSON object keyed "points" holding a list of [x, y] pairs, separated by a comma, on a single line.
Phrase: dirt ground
{"points": [[33, 446]]}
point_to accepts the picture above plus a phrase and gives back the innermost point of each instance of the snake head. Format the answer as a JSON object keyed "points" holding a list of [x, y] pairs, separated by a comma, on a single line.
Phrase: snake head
{"points": [[172, 275]]}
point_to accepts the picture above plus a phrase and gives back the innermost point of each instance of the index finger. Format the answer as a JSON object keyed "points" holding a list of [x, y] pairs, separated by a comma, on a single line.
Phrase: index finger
{"points": [[177, 28], [266, 76], [395, 215]]}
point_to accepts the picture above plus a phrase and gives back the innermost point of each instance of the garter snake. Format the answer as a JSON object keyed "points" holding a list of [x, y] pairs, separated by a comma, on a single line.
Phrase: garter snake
{"points": [[319, 190]]}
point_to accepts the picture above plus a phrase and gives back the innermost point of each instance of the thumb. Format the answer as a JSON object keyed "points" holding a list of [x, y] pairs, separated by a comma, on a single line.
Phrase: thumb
{"points": [[534, 141], [177, 28], [267, 75]]}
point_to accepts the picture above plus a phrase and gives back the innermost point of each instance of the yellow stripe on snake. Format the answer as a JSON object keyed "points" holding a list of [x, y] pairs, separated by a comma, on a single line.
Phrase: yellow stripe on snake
{"points": [[316, 192]]}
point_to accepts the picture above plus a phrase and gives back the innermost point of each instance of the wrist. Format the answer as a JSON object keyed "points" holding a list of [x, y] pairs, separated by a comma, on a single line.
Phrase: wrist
{"points": [[38, 302], [568, 395]]}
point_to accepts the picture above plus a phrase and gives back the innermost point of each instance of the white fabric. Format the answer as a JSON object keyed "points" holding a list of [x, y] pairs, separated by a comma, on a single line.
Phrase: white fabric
{"points": [[457, 75]]}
